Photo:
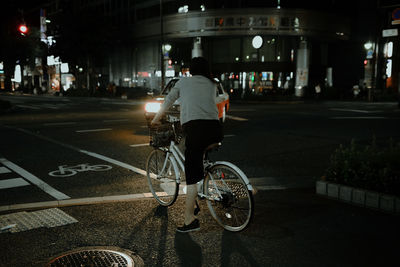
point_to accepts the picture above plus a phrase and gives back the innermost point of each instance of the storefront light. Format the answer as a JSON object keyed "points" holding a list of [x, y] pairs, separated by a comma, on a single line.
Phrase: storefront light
{"points": [[17, 74], [388, 49], [64, 68], [368, 45], [389, 68]]}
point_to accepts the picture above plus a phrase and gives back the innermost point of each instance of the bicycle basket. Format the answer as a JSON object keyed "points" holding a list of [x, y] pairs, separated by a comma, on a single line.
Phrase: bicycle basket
{"points": [[161, 136]]}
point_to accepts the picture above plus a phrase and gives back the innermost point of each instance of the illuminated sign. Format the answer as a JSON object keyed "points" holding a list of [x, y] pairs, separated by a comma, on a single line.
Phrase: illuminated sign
{"points": [[396, 16]]}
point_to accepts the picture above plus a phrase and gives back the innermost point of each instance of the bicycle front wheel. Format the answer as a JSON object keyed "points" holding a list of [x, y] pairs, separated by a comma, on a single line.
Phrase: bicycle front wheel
{"points": [[162, 176], [229, 200]]}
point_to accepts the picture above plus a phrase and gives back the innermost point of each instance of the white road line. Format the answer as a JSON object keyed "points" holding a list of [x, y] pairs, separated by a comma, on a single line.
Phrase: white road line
{"points": [[138, 145], [26, 106], [351, 110], [236, 118], [93, 130], [59, 123], [11, 183], [114, 161], [34, 180], [229, 135], [4, 170], [116, 120], [51, 106], [357, 118]]}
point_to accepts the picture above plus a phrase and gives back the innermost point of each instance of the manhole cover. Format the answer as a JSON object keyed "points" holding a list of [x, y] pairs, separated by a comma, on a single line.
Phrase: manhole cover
{"points": [[96, 257]]}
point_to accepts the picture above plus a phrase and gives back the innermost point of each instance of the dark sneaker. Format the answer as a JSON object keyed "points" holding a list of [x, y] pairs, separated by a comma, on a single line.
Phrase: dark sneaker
{"points": [[193, 226]]}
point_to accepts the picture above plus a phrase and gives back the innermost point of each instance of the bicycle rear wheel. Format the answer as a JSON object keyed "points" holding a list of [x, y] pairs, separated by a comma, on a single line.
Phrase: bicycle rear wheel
{"points": [[162, 177], [229, 200]]}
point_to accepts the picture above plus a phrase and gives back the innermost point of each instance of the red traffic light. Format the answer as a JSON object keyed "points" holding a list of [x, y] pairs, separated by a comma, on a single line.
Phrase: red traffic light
{"points": [[23, 29]]}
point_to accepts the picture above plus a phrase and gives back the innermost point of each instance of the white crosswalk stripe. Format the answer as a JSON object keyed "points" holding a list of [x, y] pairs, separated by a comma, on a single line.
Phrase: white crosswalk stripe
{"points": [[11, 183], [28, 178]]}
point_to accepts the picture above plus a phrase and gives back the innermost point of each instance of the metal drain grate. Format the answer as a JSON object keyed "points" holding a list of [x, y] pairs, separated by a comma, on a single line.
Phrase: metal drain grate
{"points": [[98, 257]]}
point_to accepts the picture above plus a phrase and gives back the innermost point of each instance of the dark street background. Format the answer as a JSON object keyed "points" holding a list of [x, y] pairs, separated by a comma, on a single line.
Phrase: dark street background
{"points": [[283, 147]]}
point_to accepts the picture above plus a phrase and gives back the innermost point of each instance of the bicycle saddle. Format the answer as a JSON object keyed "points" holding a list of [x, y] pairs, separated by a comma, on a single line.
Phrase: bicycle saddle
{"points": [[213, 146]]}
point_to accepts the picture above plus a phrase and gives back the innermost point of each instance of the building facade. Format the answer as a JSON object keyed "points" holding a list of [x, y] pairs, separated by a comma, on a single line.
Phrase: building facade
{"points": [[254, 47]]}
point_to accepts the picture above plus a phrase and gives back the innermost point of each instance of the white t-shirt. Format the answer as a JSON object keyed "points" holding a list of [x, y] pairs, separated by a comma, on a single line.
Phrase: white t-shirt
{"points": [[197, 96]]}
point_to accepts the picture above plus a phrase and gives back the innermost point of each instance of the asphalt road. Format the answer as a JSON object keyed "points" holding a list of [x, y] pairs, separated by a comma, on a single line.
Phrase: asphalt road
{"points": [[284, 146]]}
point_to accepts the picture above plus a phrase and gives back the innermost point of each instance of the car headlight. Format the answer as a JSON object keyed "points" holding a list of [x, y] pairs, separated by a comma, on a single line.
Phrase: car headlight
{"points": [[152, 107]]}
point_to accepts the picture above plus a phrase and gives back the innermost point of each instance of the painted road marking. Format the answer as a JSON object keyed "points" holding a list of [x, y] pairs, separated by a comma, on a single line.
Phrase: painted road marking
{"points": [[351, 110], [4, 170], [14, 182], [138, 145], [229, 135], [114, 161], [236, 118], [358, 118], [93, 130], [116, 120], [26, 106], [59, 123], [34, 180]]}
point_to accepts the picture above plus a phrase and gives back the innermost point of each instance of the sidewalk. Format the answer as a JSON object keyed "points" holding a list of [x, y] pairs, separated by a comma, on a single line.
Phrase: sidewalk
{"points": [[293, 227]]}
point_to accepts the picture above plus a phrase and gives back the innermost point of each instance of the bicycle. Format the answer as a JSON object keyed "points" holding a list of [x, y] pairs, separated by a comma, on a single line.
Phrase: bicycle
{"points": [[226, 188]]}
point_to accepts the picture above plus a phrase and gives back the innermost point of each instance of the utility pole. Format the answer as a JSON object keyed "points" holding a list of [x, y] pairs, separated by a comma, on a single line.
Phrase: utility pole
{"points": [[162, 47]]}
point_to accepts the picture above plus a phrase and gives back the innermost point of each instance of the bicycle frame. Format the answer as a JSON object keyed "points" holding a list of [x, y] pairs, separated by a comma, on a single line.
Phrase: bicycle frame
{"points": [[178, 160]]}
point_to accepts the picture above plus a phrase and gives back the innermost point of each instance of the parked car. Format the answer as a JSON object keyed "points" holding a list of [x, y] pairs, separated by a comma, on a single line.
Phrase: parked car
{"points": [[153, 106]]}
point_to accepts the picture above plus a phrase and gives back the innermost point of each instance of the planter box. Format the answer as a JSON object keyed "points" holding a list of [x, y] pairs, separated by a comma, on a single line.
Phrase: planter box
{"points": [[358, 197], [387, 203], [372, 200], [333, 190], [321, 187], [345, 193]]}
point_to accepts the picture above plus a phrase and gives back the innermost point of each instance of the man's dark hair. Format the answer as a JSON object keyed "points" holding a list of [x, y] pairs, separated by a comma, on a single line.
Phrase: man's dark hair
{"points": [[200, 66]]}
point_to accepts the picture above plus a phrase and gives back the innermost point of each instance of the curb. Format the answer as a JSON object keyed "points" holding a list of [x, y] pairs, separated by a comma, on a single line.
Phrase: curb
{"points": [[76, 202], [359, 197]]}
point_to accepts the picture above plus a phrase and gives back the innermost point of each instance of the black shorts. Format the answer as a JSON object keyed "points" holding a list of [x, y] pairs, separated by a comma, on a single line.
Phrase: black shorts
{"points": [[199, 135]]}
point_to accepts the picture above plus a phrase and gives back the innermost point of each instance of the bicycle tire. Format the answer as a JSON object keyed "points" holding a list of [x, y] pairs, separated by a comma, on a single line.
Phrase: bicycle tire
{"points": [[235, 210], [163, 186]]}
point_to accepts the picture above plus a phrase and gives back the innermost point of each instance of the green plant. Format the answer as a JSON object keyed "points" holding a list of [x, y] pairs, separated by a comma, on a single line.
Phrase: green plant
{"points": [[371, 167]]}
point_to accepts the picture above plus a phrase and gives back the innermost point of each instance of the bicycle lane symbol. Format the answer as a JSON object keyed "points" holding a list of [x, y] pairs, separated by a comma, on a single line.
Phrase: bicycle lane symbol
{"points": [[66, 171]]}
